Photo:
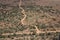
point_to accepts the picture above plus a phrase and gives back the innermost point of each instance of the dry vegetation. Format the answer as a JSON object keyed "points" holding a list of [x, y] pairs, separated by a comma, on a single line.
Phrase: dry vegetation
{"points": [[40, 23]]}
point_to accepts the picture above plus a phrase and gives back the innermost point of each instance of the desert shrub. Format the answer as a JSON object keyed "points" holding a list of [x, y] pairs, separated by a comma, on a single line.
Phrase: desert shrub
{"points": [[41, 26], [1, 36], [31, 27]]}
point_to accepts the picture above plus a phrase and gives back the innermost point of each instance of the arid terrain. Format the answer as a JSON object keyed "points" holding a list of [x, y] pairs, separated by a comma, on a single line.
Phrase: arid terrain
{"points": [[29, 19]]}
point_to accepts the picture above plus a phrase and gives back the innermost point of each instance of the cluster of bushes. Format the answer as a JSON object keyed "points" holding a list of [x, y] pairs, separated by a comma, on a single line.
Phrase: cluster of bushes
{"points": [[41, 26], [43, 8]]}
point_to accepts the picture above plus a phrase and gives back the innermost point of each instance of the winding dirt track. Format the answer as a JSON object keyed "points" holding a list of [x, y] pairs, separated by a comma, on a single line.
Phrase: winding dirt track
{"points": [[22, 20], [23, 11]]}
